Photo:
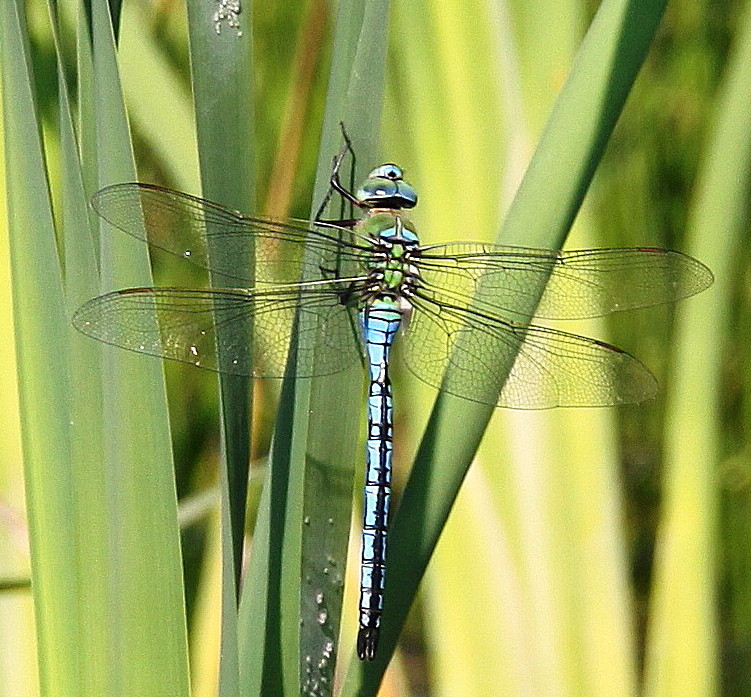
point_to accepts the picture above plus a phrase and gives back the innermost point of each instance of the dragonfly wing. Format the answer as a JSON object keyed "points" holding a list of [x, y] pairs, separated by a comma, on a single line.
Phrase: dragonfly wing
{"points": [[214, 237], [541, 367], [250, 330], [516, 282]]}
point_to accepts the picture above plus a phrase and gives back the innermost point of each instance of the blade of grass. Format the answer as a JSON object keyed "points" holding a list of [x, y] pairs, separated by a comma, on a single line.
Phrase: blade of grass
{"points": [[313, 451], [222, 78], [43, 372], [88, 505], [306, 72], [682, 644], [18, 665], [143, 611], [159, 103], [446, 95], [354, 98], [537, 520], [516, 627]]}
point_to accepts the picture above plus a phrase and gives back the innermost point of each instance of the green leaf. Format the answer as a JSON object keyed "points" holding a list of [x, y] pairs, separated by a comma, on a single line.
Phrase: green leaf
{"points": [[222, 77], [683, 642], [44, 377], [143, 561], [305, 513], [97, 452]]}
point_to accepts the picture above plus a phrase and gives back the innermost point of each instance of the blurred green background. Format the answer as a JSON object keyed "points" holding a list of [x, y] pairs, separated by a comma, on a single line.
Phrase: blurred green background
{"points": [[591, 552]]}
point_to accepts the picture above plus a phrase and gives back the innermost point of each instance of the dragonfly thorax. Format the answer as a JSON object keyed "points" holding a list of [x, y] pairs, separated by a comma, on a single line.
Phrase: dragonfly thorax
{"points": [[386, 188], [393, 272]]}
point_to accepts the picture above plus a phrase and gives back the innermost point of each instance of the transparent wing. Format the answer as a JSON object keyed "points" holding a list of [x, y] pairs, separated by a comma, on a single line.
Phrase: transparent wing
{"points": [[214, 237], [551, 368], [506, 281], [182, 324]]}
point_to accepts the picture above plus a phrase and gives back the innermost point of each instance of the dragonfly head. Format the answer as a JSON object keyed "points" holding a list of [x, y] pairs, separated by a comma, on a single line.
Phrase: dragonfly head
{"points": [[385, 188]]}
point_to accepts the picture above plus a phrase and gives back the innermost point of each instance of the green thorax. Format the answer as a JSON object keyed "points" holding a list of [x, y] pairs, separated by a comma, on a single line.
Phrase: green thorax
{"points": [[392, 272]]}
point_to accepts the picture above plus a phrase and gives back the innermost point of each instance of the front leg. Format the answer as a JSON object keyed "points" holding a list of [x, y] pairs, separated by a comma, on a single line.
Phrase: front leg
{"points": [[345, 193], [335, 183]]}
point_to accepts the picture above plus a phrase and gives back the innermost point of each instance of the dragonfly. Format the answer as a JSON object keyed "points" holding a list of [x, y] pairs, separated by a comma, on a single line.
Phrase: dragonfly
{"points": [[341, 292]]}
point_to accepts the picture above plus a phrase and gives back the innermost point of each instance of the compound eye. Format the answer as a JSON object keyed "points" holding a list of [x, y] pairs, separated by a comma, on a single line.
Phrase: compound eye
{"points": [[387, 171], [393, 172]]}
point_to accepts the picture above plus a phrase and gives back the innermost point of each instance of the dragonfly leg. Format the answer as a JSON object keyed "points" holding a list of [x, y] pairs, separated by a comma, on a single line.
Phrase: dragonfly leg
{"points": [[347, 222], [340, 189], [335, 184]]}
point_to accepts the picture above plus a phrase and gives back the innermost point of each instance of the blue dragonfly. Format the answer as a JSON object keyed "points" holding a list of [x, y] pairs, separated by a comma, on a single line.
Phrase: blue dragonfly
{"points": [[341, 292]]}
